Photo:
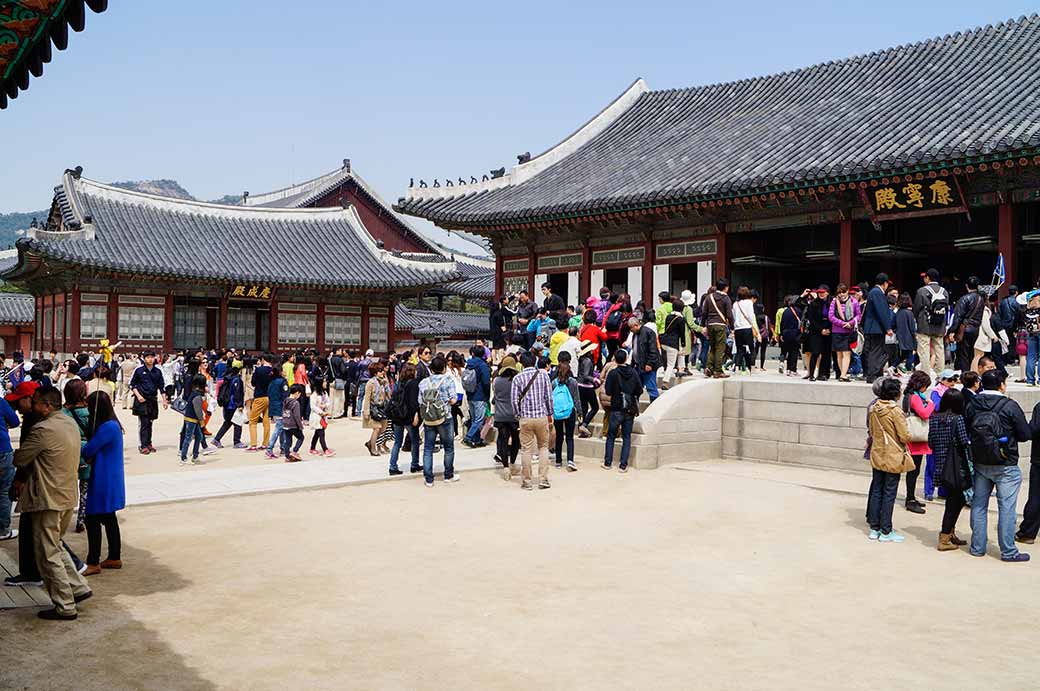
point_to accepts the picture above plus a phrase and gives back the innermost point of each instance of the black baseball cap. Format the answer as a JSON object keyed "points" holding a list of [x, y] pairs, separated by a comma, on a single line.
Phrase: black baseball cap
{"points": [[933, 274]]}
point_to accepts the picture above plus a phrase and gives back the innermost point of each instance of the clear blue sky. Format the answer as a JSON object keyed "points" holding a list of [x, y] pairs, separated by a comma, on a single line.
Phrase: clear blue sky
{"points": [[233, 95]]}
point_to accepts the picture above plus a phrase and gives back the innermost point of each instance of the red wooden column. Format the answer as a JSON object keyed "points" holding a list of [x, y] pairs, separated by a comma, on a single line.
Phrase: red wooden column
{"points": [[272, 328], [532, 263], [391, 318], [847, 254], [168, 325], [222, 325], [721, 257], [364, 329], [499, 278], [1007, 240], [113, 318], [648, 275], [319, 328], [74, 330], [585, 277]]}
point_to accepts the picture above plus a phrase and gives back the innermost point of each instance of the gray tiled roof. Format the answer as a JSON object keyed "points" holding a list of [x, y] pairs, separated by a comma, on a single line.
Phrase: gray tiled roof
{"points": [[17, 308], [481, 287], [949, 99], [478, 279], [169, 238], [440, 323]]}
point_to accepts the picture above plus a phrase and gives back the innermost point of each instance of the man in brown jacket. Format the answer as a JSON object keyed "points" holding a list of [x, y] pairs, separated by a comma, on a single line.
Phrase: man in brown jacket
{"points": [[51, 494]]}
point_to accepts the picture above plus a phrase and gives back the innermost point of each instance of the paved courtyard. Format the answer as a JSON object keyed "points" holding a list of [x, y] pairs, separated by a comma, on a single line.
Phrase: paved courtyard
{"points": [[726, 575]]}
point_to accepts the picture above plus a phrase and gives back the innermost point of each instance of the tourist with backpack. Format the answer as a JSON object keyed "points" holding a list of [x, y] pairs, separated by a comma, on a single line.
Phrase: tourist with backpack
{"points": [[624, 387], [403, 411], [532, 399], [951, 456], [565, 402], [437, 393], [230, 398], [614, 323], [889, 458], [476, 381], [931, 303], [996, 425]]}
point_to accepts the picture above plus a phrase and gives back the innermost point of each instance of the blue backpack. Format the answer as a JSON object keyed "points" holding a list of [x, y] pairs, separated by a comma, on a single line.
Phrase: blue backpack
{"points": [[563, 403]]}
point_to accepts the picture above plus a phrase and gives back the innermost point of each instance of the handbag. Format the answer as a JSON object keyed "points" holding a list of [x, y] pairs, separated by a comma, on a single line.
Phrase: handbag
{"points": [[377, 412], [955, 472], [339, 384], [139, 408], [918, 428]]}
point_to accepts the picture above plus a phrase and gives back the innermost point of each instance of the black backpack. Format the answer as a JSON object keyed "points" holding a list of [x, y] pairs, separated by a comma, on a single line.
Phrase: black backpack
{"points": [[986, 429], [224, 396], [613, 321], [397, 409], [938, 307]]}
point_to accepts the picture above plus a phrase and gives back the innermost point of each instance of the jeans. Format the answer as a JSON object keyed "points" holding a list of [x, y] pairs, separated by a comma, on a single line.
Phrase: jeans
{"points": [[6, 478], [882, 500], [702, 356], [565, 432], [446, 432], [589, 404], [649, 380], [476, 420], [276, 435], [287, 436], [226, 425], [619, 421], [359, 400], [94, 523], [717, 349], [1008, 480], [1032, 353], [855, 365], [413, 438], [191, 431]]}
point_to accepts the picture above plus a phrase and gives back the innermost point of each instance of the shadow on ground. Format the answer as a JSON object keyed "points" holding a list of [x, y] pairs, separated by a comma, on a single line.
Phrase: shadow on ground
{"points": [[105, 624]]}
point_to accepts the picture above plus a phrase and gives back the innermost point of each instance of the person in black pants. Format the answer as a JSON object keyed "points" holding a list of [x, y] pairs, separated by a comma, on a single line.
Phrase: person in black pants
{"points": [[947, 432], [819, 329], [791, 335], [877, 322], [967, 312], [146, 385], [1030, 526]]}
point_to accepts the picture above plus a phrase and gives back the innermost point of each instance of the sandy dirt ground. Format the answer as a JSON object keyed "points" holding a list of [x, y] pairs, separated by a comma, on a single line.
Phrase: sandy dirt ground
{"points": [[675, 578]]}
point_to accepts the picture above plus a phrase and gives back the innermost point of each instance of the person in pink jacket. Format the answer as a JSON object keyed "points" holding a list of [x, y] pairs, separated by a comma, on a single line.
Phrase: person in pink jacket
{"points": [[845, 316], [916, 402]]}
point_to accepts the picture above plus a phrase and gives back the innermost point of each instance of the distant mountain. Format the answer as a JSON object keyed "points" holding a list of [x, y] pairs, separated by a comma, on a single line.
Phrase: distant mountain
{"points": [[11, 223], [230, 199], [163, 188]]}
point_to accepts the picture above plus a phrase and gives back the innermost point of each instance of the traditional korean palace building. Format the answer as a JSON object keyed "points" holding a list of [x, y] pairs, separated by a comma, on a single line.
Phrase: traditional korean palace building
{"points": [[161, 273], [925, 154]]}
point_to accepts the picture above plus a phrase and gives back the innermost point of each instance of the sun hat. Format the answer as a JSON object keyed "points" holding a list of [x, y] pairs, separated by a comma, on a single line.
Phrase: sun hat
{"points": [[688, 298]]}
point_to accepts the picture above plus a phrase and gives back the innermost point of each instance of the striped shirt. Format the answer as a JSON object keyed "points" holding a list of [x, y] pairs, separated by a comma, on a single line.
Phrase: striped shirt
{"points": [[538, 401]]}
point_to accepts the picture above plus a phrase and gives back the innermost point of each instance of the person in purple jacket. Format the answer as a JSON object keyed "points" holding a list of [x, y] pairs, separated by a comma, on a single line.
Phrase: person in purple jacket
{"points": [[845, 316], [603, 305]]}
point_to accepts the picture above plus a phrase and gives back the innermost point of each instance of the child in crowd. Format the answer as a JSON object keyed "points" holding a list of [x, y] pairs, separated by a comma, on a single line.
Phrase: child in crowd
{"points": [[292, 424], [319, 417]]}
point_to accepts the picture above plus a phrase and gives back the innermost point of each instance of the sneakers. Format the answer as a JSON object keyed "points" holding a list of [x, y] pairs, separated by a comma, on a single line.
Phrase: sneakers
{"points": [[196, 461], [526, 484], [874, 535], [429, 483], [270, 454], [1018, 538], [915, 507], [9, 535], [208, 451], [314, 452], [572, 468], [544, 484], [1018, 558], [240, 445], [216, 443], [623, 469], [329, 453], [21, 581], [453, 478], [891, 537], [184, 461], [55, 615], [605, 466], [395, 471]]}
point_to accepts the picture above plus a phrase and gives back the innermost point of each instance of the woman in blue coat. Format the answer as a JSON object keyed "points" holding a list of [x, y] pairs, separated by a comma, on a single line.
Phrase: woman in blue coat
{"points": [[107, 492]]}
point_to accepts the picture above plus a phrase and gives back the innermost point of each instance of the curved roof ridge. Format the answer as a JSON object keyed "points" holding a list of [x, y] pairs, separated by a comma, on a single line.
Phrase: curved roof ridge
{"points": [[294, 189], [73, 184], [853, 59]]}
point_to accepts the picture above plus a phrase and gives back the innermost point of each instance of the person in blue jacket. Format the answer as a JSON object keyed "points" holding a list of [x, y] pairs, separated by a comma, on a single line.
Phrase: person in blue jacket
{"points": [[107, 493], [478, 400], [8, 420], [877, 323]]}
